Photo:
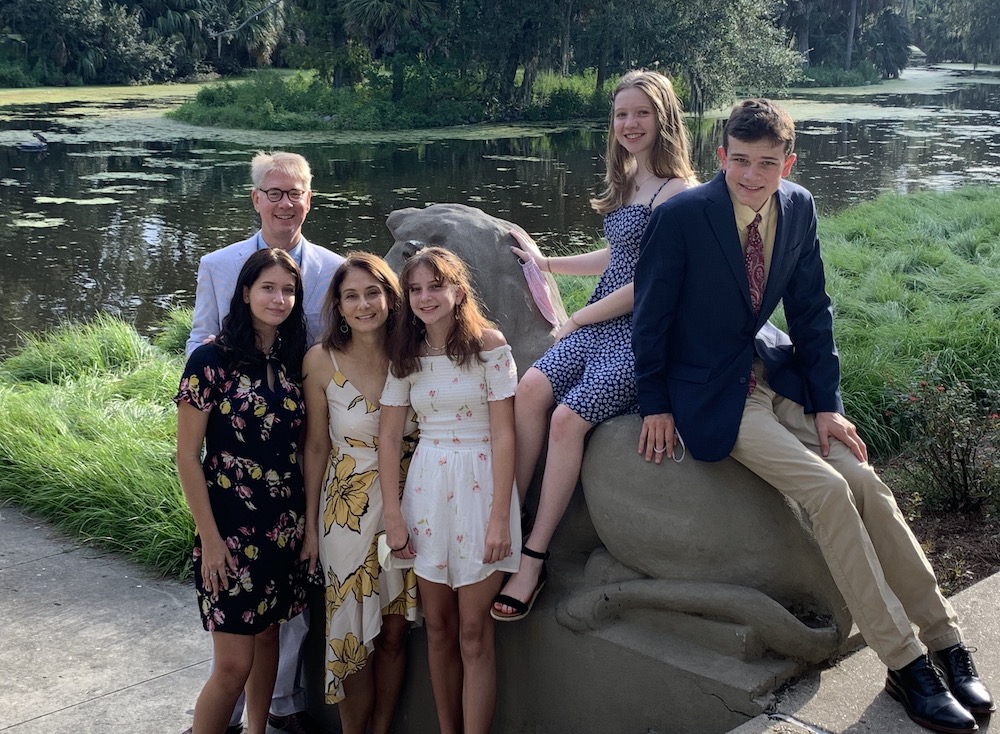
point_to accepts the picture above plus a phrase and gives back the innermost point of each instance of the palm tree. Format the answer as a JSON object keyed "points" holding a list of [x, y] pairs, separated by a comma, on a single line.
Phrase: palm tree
{"points": [[382, 24]]}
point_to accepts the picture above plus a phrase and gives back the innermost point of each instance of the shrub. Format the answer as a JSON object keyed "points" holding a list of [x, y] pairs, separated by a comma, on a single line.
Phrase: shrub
{"points": [[824, 75], [14, 75], [951, 427]]}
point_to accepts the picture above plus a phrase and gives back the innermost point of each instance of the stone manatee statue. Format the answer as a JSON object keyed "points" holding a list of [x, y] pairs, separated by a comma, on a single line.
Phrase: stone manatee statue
{"points": [[664, 569], [483, 242], [711, 539]]}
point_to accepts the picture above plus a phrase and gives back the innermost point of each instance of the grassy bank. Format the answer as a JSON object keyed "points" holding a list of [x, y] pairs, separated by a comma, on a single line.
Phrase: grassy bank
{"points": [[87, 422], [270, 100]]}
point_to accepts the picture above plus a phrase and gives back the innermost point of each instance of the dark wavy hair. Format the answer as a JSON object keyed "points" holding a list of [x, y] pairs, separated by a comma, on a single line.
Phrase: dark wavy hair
{"points": [[378, 269], [753, 120], [237, 340], [465, 342]]}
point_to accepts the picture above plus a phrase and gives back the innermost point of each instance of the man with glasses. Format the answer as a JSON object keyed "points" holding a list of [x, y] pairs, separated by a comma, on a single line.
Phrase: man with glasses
{"points": [[281, 196]]}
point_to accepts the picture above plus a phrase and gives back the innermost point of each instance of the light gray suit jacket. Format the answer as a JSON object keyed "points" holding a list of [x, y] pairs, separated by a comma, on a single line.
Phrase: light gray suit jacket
{"points": [[219, 270]]}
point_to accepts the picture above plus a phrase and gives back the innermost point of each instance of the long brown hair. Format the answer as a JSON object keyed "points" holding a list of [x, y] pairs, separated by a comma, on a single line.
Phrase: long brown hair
{"points": [[378, 269], [465, 342], [237, 339], [670, 156]]}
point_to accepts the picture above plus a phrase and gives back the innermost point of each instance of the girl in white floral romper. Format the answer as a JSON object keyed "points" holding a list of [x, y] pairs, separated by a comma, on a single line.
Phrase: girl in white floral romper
{"points": [[459, 519]]}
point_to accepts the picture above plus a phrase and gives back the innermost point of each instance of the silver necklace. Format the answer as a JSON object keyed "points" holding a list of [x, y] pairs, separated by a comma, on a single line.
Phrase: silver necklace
{"points": [[432, 348]]}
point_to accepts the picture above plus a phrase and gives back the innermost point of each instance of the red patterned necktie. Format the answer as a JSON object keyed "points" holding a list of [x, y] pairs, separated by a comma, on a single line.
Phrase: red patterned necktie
{"points": [[755, 264], [754, 259]]}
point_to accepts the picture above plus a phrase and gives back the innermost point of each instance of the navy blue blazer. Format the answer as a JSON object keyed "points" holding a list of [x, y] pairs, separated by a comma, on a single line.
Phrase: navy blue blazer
{"points": [[695, 333]]}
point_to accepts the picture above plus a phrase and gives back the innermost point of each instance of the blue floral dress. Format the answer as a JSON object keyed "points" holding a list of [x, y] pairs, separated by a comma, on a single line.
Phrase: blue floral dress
{"points": [[592, 370], [255, 489]]}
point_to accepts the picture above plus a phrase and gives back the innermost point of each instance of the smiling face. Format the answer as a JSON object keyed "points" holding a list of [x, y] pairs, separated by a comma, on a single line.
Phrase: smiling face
{"points": [[281, 221], [271, 298], [635, 123], [754, 170], [363, 302], [431, 300]]}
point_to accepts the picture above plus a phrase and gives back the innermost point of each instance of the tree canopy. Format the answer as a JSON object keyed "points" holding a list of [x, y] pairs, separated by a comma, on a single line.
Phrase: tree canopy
{"points": [[491, 50]]}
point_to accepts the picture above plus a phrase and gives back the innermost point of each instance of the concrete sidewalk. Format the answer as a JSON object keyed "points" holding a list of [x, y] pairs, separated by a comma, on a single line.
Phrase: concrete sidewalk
{"points": [[848, 698], [91, 643]]}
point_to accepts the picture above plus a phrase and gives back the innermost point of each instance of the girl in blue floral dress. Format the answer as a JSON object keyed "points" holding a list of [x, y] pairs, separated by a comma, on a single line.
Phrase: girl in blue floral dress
{"points": [[241, 398], [588, 375]]}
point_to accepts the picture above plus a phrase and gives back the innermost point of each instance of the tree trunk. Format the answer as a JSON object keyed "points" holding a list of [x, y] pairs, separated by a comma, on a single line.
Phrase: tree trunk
{"points": [[528, 82], [802, 37], [852, 24], [565, 41]]}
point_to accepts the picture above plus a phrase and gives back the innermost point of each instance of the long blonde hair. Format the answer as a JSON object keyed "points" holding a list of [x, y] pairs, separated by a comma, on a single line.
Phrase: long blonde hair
{"points": [[670, 156]]}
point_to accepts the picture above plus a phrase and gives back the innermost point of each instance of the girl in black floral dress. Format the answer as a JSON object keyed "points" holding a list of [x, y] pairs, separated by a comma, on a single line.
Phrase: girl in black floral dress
{"points": [[241, 398]]}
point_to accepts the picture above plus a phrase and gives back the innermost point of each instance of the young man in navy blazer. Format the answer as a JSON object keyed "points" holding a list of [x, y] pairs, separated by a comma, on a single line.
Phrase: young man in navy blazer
{"points": [[281, 195], [714, 263]]}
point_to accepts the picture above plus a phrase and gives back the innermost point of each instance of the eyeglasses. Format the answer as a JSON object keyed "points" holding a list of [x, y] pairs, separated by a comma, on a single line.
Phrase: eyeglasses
{"points": [[294, 195]]}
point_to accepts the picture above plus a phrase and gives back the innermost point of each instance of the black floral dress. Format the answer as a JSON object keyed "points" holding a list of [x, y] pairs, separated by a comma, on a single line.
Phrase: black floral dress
{"points": [[255, 489]]}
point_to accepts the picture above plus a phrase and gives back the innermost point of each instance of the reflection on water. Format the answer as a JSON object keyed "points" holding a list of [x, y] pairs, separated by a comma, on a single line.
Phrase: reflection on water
{"points": [[119, 226]]}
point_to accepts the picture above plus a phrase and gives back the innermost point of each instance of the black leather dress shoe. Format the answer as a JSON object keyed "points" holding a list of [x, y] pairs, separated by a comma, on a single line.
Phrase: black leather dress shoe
{"points": [[927, 700], [299, 723], [963, 680]]}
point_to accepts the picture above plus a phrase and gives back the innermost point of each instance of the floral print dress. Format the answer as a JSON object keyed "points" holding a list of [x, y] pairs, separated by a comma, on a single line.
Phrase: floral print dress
{"points": [[255, 489], [358, 591], [449, 487], [592, 369]]}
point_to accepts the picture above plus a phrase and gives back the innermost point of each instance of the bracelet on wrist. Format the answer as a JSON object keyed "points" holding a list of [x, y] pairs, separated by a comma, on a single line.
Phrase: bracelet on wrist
{"points": [[548, 266]]}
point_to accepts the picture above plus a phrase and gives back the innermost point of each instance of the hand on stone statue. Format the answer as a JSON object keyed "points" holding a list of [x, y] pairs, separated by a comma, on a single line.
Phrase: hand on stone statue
{"points": [[656, 440]]}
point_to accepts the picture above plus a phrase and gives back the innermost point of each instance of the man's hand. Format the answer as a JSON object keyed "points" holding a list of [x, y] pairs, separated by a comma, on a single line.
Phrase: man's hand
{"points": [[657, 437], [834, 425]]}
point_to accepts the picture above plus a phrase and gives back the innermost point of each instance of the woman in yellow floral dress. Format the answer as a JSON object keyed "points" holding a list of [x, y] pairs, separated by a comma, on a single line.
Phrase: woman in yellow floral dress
{"points": [[368, 610]]}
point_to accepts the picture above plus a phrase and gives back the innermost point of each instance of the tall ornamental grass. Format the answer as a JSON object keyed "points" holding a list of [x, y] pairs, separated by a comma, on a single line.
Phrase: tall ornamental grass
{"points": [[87, 441], [105, 345], [911, 277]]}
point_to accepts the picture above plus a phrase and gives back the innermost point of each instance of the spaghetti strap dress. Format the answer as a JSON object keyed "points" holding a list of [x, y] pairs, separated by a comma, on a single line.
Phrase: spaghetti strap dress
{"points": [[592, 369], [449, 488], [358, 591]]}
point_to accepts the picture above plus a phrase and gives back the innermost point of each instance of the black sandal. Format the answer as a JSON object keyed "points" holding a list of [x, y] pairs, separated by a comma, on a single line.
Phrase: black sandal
{"points": [[521, 608]]}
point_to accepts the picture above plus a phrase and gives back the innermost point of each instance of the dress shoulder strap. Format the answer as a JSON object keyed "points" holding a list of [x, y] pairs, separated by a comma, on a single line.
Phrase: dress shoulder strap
{"points": [[657, 193], [333, 359]]}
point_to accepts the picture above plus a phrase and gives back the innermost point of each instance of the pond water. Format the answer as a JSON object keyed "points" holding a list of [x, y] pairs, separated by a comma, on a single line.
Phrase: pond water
{"points": [[115, 214]]}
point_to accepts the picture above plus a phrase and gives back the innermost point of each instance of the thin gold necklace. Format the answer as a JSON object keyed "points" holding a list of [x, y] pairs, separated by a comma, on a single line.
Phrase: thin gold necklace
{"points": [[639, 184], [433, 348]]}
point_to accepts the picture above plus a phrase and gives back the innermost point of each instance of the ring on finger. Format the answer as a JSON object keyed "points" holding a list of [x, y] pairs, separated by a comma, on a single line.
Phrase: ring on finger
{"points": [[659, 450]]}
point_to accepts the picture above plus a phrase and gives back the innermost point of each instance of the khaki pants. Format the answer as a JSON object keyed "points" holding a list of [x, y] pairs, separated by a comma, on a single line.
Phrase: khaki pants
{"points": [[875, 560]]}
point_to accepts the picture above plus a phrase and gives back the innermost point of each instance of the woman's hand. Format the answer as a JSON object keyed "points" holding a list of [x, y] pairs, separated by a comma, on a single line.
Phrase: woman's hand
{"points": [[566, 328], [398, 540], [216, 563], [498, 545], [310, 549], [524, 248]]}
